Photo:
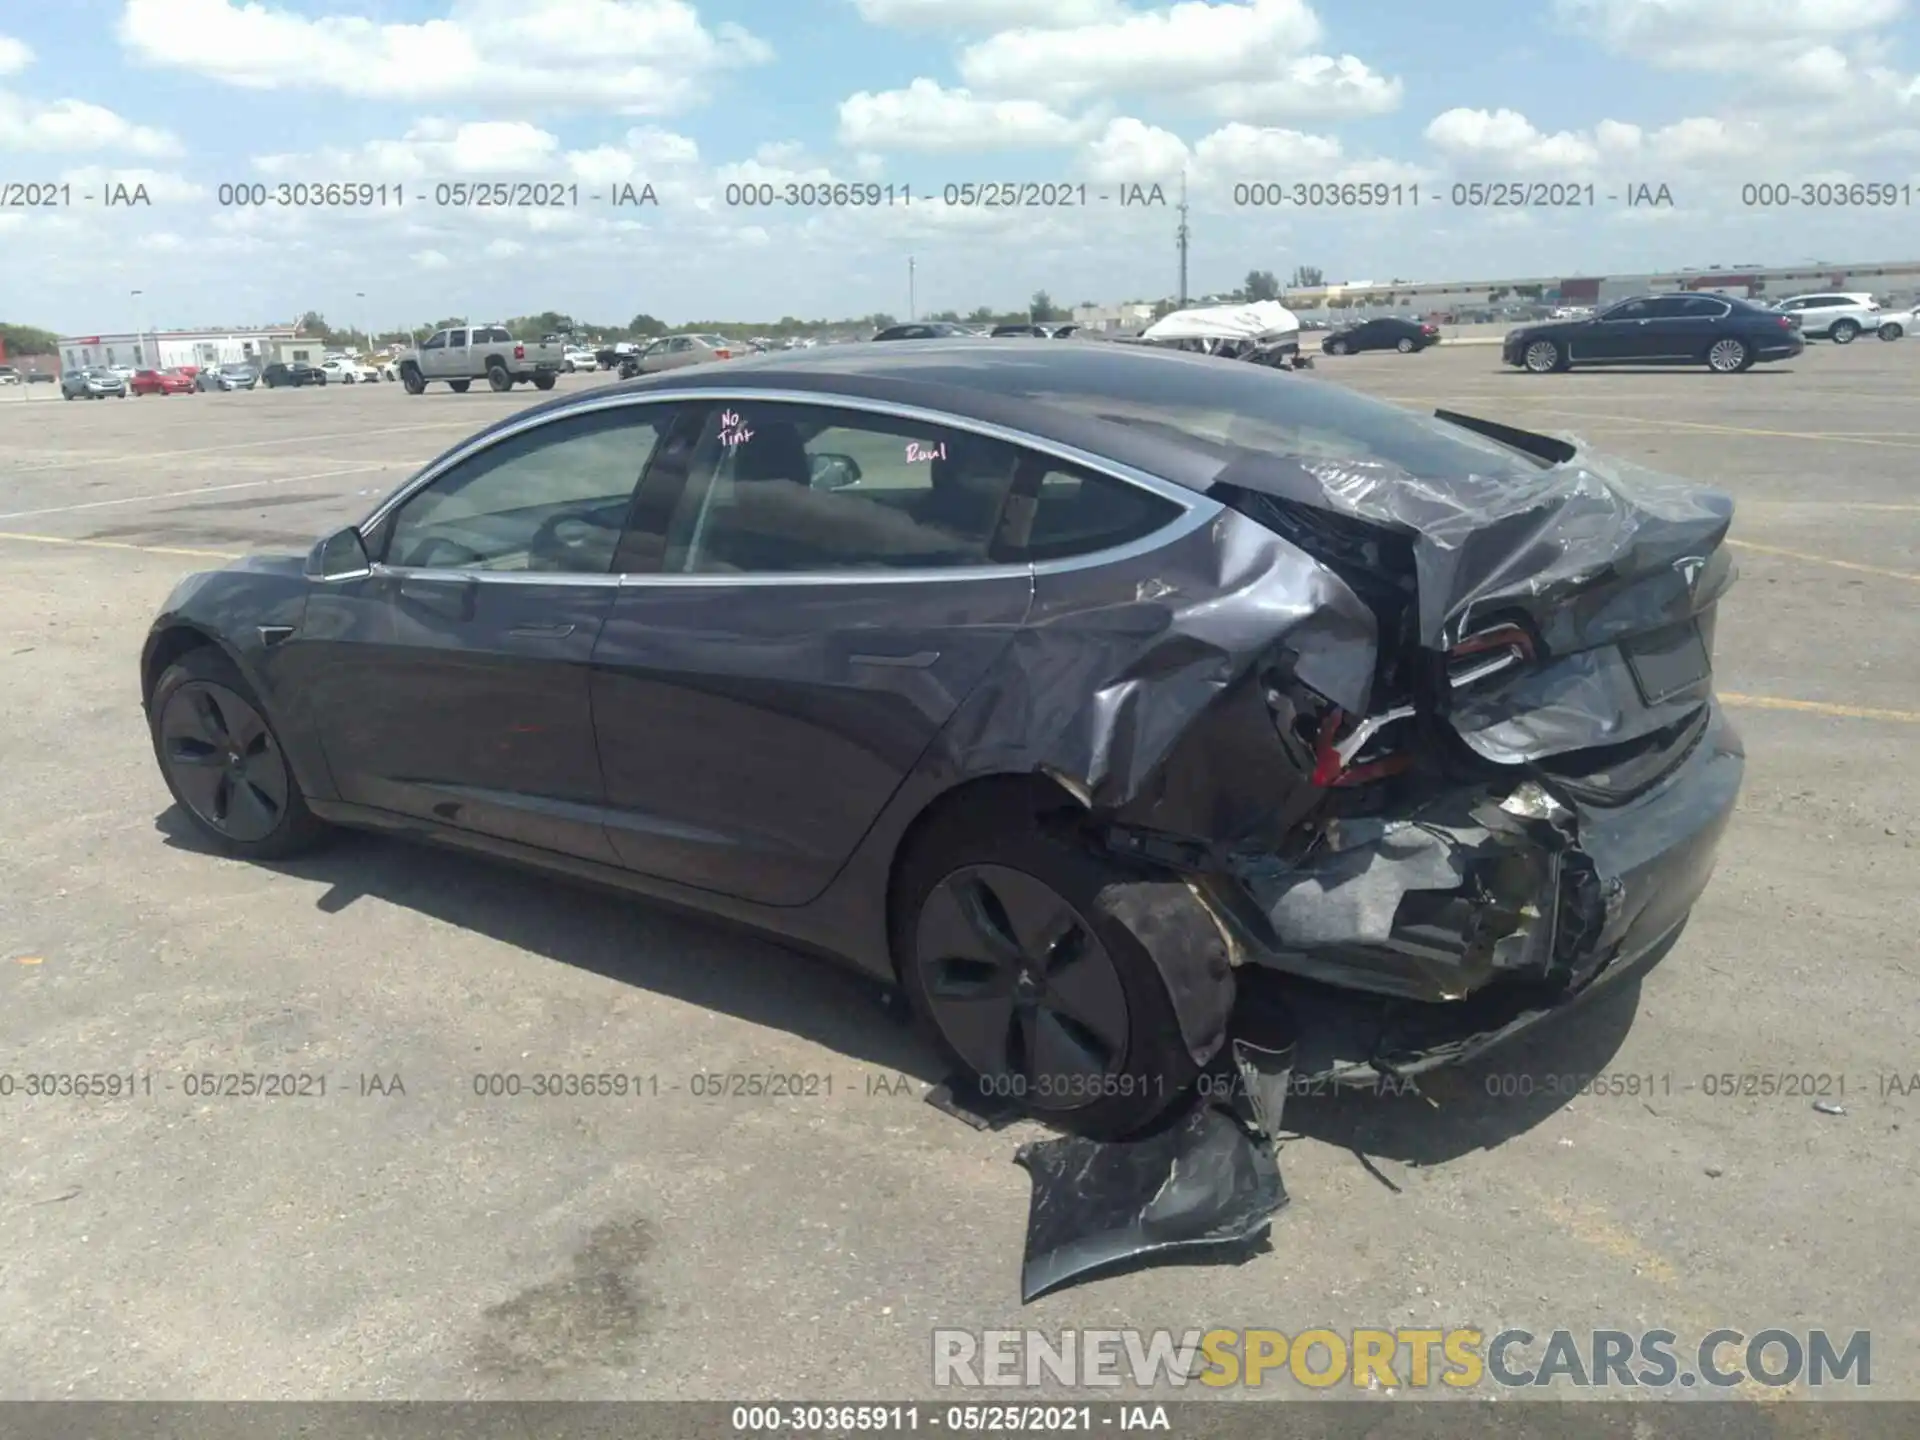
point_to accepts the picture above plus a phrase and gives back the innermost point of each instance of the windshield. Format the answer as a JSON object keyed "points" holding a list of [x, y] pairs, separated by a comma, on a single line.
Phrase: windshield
{"points": [[236, 369]]}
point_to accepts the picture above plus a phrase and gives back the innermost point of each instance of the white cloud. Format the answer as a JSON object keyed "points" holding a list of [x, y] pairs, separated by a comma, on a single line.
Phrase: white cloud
{"points": [[635, 56], [430, 259], [1185, 47], [75, 125], [984, 15], [1131, 149], [503, 249], [924, 116], [1724, 34], [1508, 138], [434, 149], [15, 55], [1314, 87]]}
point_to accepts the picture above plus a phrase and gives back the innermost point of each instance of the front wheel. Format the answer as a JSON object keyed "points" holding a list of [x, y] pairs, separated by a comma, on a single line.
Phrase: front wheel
{"points": [[223, 763], [411, 378], [1336, 347], [499, 379], [459, 387], [1405, 347], [1026, 980], [1729, 357], [1844, 332], [1543, 357]]}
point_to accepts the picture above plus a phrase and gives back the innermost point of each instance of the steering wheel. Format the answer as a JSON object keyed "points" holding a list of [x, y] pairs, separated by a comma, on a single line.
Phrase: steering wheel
{"points": [[571, 541], [426, 554]]}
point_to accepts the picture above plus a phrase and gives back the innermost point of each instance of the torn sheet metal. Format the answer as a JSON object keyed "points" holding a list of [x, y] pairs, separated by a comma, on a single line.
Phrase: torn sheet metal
{"points": [[1525, 535], [1211, 1181], [1584, 554]]}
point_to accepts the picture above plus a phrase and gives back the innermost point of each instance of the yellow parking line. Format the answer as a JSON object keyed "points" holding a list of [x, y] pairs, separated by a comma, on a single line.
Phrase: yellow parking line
{"points": [[1819, 707], [1786, 554], [1823, 436], [122, 545], [1827, 505]]}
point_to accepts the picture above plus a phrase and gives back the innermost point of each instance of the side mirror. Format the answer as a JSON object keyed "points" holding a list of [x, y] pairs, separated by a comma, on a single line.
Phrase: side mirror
{"points": [[834, 472], [341, 556]]}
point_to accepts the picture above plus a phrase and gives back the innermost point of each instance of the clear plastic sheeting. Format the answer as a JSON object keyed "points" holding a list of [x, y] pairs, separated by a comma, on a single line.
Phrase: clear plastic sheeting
{"points": [[1592, 550]]}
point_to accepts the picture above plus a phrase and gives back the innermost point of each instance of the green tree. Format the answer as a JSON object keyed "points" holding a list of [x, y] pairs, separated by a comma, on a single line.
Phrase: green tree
{"points": [[644, 324], [980, 315], [1164, 308], [1306, 277], [1261, 285], [1040, 308], [22, 340], [951, 317], [880, 320]]}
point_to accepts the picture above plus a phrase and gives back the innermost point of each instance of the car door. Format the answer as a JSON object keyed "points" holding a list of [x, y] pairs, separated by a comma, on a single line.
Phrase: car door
{"points": [[1613, 335], [433, 356], [456, 360], [828, 591], [1676, 329], [1703, 319], [450, 682]]}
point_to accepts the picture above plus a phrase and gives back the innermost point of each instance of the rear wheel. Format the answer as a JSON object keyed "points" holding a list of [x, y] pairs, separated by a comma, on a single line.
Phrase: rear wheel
{"points": [[1027, 983], [1543, 357], [1405, 347], [1892, 330], [543, 382], [1844, 332], [498, 378], [1336, 347], [459, 387], [1729, 356], [223, 763]]}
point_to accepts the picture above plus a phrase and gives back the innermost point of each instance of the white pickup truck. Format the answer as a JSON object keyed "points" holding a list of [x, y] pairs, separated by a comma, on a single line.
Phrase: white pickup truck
{"points": [[483, 352]]}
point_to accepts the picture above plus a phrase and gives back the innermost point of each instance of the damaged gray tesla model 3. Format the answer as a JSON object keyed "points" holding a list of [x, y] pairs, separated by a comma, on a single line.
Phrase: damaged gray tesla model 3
{"points": [[1068, 687]]}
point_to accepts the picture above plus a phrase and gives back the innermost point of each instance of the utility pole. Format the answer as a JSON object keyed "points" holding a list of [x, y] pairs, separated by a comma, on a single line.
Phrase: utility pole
{"points": [[912, 314], [1184, 235]]}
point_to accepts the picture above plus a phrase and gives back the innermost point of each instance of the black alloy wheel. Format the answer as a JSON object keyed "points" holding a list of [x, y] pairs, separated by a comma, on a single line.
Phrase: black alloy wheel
{"points": [[220, 758], [1021, 987], [1022, 972]]}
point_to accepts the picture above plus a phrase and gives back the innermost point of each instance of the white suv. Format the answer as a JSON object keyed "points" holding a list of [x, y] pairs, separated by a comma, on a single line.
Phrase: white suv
{"points": [[1833, 316]]}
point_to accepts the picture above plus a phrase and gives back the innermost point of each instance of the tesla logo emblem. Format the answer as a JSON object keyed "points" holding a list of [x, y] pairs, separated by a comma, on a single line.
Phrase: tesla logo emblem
{"points": [[1690, 568]]}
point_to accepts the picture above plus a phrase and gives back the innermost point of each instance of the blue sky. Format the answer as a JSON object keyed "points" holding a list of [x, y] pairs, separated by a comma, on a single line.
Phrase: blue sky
{"points": [[1706, 97]]}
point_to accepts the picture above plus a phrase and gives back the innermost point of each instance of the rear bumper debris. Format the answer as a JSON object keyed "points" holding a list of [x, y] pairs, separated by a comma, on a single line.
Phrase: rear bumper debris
{"points": [[1440, 933]]}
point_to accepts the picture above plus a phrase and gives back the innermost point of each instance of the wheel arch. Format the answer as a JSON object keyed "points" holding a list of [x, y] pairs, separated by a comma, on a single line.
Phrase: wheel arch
{"points": [[178, 638], [1179, 931]]}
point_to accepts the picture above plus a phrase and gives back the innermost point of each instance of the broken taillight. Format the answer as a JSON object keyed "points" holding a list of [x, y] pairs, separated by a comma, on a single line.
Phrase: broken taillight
{"points": [[1486, 654]]}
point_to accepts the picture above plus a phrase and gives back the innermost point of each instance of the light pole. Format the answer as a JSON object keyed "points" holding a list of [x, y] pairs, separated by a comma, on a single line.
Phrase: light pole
{"points": [[912, 314], [361, 296], [139, 342]]}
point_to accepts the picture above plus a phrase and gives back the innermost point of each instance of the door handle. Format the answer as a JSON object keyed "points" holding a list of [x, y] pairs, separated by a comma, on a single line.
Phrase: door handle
{"points": [[541, 632]]}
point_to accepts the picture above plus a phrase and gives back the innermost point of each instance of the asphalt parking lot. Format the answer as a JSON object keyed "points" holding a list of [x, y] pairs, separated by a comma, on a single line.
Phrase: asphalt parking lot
{"points": [[373, 1244]]}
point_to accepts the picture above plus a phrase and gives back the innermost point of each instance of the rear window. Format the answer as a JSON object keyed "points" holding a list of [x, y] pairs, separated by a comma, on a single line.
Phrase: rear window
{"points": [[1229, 408]]}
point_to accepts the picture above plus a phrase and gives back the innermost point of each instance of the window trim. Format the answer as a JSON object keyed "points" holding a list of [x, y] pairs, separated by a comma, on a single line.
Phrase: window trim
{"points": [[1198, 509]]}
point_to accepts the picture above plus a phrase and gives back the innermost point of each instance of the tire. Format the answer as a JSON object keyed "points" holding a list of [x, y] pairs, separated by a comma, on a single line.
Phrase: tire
{"points": [[250, 804], [499, 379], [1543, 357], [998, 857], [1844, 332], [1729, 356], [1336, 347], [1405, 347], [543, 382], [410, 377], [459, 387], [1892, 331]]}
